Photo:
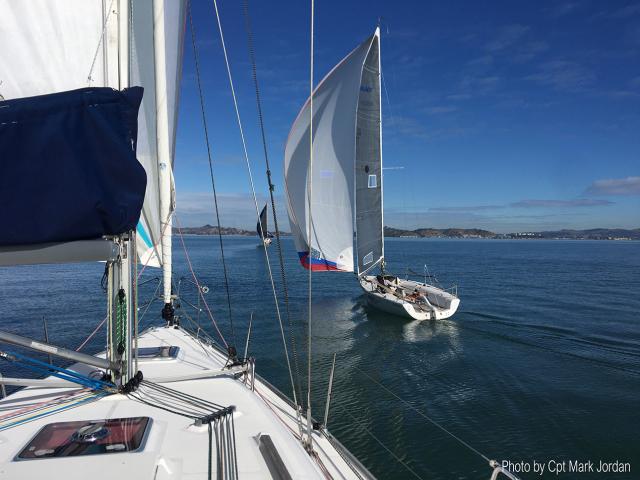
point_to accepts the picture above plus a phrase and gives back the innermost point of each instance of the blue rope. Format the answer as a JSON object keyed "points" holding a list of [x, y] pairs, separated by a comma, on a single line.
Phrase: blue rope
{"points": [[59, 372]]}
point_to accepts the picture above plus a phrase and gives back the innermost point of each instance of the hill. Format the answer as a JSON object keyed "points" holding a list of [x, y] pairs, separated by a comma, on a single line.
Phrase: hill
{"points": [[436, 232], [590, 234], [212, 230]]}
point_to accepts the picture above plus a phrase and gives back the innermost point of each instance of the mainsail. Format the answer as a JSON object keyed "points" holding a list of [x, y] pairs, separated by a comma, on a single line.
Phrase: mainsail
{"points": [[90, 43], [368, 169], [347, 156], [261, 226]]}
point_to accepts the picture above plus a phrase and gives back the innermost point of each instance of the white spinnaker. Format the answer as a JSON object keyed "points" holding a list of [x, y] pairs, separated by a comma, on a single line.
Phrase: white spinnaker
{"points": [[335, 101], [63, 42]]}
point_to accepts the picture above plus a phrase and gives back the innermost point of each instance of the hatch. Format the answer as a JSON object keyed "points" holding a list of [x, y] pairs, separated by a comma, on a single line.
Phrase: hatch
{"points": [[87, 437], [162, 352]]}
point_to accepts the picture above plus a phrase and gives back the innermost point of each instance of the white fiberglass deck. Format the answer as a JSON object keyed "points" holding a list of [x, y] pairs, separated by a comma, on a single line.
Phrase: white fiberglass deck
{"points": [[395, 297], [175, 448]]}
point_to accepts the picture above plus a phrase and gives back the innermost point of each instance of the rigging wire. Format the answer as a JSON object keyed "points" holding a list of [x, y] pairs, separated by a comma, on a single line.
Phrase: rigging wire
{"points": [[144, 266], [91, 335], [310, 196], [381, 443], [100, 40], [285, 292], [213, 183], [255, 200], [425, 416], [195, 279]]}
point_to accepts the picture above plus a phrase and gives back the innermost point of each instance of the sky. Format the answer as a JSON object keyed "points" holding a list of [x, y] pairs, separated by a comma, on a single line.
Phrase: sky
{"points": [[507, 116]]}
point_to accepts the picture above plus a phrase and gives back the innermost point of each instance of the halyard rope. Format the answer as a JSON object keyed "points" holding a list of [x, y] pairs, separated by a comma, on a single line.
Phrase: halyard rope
{"points": [[44, 409], [218, 418]]}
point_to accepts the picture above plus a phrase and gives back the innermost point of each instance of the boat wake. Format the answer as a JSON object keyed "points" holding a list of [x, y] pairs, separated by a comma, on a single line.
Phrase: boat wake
{"points": [[595, 349]]}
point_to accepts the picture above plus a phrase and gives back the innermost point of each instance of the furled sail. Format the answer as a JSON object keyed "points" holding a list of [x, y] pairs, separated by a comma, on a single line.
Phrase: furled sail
{"points": [[89, 43], [336, 102], [154, 222]]}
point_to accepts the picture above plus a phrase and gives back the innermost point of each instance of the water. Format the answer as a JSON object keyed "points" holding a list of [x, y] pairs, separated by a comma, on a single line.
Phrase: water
{"points": [[542, 361]]}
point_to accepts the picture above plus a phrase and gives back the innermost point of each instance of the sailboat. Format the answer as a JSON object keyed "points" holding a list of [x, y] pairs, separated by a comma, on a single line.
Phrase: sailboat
{"points": [[88, 122], [343, 217], [262, 230], [86, 176]]}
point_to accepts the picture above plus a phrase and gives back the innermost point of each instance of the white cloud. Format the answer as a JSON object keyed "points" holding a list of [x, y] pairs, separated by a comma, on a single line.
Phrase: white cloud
{"points": [[578, 202], [615, 186]]}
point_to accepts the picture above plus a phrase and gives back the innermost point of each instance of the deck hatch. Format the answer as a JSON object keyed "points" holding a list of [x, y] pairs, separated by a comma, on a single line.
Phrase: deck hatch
{"points": [[162, 352], [87, 437]]}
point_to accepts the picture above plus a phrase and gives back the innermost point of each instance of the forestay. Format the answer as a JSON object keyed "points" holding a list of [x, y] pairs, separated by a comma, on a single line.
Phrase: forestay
{"points": [[90, 43], [331, 213]]}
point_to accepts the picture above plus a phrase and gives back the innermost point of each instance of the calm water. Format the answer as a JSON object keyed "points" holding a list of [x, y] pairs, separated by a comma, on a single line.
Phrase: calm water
{"points": [[541, 362]]}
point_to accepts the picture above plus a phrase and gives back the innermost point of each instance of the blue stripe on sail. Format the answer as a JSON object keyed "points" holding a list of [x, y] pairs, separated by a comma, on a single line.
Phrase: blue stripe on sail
{"points": [[144, 235]]}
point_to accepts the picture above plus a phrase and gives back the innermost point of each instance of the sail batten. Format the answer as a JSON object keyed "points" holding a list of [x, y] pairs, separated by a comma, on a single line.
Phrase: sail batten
{"points": [[339, 209]]}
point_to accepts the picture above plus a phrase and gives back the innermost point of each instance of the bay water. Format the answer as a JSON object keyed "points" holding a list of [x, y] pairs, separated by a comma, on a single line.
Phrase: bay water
{"points": [[540, 364]]}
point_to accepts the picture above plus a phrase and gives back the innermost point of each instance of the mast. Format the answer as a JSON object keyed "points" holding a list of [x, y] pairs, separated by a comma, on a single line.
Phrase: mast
{"points": [[121, 284], [377, 34], [163, 149]]}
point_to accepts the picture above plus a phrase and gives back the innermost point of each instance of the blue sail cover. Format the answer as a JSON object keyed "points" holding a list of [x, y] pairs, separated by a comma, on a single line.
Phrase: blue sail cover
{"points": [[68, 168]]}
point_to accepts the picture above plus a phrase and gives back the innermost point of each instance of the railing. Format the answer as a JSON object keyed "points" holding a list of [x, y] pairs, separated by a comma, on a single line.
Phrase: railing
{"points": [[429, 279], [498, 469]]}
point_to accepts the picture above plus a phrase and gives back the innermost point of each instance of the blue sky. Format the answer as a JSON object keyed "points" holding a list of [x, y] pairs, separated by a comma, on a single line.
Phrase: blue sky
{"points": [[508, 116]]}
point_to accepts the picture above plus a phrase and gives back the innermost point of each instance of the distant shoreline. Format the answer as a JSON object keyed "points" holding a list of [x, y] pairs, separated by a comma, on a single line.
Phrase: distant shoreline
{"points": [[612, 234]]}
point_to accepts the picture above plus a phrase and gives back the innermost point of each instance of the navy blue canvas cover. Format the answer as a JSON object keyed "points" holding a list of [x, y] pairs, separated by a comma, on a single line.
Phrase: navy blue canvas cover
{"points": [[68, 167]]}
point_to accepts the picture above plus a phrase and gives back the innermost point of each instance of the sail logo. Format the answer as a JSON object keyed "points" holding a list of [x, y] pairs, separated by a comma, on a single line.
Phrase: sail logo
{"points": [[367, 259], [366, 88]]}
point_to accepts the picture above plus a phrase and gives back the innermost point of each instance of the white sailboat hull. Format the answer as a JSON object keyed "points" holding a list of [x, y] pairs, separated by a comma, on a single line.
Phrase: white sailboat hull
{"points": [[433, 303], [265, 243]]}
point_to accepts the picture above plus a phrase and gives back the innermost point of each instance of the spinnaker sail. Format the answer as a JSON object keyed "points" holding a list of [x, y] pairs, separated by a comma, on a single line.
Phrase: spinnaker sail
{"points": [[346, 158]]}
